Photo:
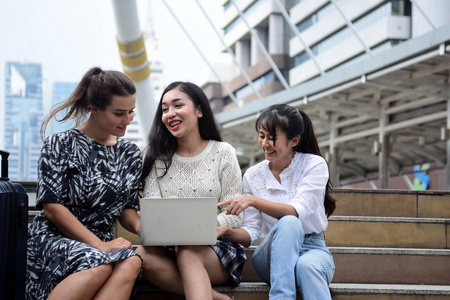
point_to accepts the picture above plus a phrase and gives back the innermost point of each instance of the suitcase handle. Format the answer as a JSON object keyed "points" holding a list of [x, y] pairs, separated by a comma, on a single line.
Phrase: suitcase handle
{"points": [[4, 173]]}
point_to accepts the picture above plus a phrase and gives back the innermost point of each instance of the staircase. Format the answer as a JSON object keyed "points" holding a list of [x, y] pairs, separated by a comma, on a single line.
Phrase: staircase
{"points": [[390, 244], [386, 245]]}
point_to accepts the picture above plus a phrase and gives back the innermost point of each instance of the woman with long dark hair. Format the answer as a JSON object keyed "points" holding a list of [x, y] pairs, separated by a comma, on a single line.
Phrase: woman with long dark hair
{"points": [[287, 202], [186, 157]]}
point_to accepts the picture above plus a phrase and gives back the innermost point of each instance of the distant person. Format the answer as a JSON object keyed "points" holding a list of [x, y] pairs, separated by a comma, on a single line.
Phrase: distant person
{"points": [[286, 202], [185, 150], [88, 179]]}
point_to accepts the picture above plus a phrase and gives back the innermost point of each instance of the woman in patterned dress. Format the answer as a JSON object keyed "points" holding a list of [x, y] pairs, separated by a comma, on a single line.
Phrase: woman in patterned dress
{"points": [[287, 202], [186, 158], [88, 179]]}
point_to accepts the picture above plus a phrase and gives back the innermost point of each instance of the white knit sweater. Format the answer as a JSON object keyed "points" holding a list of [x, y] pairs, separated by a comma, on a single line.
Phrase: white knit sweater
{"points": [[213, 173]]}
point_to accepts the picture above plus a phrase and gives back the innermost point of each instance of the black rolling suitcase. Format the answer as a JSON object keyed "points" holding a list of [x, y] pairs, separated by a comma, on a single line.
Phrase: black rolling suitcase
{"points": [[13, 235]]}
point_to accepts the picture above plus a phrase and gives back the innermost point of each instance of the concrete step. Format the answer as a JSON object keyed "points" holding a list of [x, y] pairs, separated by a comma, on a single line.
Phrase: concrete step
{"points": [[375, 203], [351, 231], [356, 231], [381, 265], [391, 266], [360, 202], [339, 291], [342, 291], [390, 232], [392, 203], [363, 202]]}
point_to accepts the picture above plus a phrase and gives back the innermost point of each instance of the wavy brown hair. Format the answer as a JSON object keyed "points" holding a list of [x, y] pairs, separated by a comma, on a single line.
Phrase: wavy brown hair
{"points": [[96, 88]]}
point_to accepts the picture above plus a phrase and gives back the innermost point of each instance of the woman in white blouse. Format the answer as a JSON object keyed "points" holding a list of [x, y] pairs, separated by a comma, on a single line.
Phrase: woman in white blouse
{"points": [[187, 158], [287, 202]]}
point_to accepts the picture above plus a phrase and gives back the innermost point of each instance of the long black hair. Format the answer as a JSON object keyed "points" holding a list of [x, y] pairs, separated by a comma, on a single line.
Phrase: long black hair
{"points": [[294, 122], [96, 88], [161, 143]]}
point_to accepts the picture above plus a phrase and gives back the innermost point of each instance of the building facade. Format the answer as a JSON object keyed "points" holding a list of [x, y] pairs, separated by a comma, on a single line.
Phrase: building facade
{"points": [[315, 39], [354, 67], [23, 119]]}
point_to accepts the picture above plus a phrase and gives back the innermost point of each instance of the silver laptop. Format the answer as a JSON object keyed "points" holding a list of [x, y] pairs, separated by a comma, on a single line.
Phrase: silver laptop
{"points": [[178, 221]]}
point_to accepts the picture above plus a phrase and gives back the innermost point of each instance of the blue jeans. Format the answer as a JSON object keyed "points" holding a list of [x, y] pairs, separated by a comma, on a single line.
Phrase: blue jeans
{"points": [[287, 259]]}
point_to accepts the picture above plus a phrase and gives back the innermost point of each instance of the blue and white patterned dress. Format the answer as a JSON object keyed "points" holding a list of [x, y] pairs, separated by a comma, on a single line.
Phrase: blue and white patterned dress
{"points": [[96, 183]]}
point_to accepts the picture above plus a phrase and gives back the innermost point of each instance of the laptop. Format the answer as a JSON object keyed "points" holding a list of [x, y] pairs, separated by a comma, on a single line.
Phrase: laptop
{"points": [[178, 221]]}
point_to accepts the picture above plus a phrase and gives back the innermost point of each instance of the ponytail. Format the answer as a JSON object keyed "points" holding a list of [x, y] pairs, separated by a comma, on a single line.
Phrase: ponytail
{"points": [[308, 144], [96, 88]]}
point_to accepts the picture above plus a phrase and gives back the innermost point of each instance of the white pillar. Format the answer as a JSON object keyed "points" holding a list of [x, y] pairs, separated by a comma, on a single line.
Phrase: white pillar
{"points": [[132, 50], [276, 34], [242, 53], [333, 162], [383, 173], [256, 53], [447, 137], [383, 163]]}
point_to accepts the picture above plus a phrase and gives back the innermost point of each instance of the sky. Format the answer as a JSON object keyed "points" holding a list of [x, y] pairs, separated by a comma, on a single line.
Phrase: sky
{"points": [[70, 36]]}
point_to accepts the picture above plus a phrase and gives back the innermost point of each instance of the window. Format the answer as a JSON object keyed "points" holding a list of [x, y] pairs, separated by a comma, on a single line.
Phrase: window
{"points": [[236, 21], [258, 84], [345, 32]]}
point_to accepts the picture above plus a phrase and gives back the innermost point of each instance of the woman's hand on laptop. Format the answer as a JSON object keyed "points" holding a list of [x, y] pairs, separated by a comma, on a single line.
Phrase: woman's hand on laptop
{"points": [[221, 230], [237, 235]]}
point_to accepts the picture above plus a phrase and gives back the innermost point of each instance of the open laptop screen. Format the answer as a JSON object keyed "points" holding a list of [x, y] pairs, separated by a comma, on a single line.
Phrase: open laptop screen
{"points": [[178, 221]]}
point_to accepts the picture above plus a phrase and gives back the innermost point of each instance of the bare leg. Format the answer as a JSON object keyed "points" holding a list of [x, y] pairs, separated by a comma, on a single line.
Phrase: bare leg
{"points": [[81, 285], [121, 281], [200, 267], [160, 269]]}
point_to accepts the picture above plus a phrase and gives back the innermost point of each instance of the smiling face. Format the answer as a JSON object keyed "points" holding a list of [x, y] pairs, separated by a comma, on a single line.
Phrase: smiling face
{"points": [[277, 149], [115, 118], [179, 114]]}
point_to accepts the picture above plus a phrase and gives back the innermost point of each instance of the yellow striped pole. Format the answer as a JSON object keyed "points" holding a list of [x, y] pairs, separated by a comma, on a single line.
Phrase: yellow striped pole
{"points": [[134, 59]]}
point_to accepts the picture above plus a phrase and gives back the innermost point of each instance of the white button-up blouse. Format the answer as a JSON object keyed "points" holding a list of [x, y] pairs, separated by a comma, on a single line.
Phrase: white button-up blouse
{"points": [[303, 185]]}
